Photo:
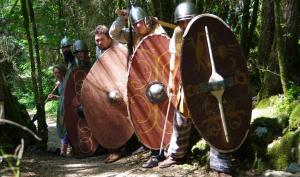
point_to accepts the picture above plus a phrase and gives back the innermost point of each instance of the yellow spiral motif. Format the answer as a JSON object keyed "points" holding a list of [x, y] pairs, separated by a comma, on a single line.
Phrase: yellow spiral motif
{"points": [[138, 84]]}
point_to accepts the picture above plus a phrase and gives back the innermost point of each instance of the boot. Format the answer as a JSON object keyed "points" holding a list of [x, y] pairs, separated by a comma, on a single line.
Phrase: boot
{"points": [[63, 150]]}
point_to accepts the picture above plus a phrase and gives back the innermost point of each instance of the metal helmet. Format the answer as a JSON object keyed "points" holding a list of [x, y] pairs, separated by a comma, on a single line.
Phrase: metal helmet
{"points": [[65, 42], [78, 46], [185, 11], [137, 14]]}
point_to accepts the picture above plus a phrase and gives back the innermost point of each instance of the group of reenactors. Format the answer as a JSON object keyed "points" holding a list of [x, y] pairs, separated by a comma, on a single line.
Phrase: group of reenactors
{"points": [[138, 89]]}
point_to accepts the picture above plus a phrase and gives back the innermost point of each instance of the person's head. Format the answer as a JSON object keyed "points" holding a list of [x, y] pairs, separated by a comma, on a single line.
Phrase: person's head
{"points": [[184, 13], [65, 44], [139, 20], [59, 71], [102, 38], [80, 50]]}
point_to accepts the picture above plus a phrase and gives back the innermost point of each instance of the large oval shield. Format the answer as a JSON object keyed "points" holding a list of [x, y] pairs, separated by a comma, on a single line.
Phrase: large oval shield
{"points": [[230, 64], [78, 132], [104, 99], [150, 67]]}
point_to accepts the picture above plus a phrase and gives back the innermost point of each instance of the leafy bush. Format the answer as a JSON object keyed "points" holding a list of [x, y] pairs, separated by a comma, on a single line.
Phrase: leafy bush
{"points": [[293, 92]]}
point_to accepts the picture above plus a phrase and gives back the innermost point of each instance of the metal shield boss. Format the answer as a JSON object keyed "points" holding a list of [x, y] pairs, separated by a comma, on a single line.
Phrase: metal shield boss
{"points": [[104, 97], [147, 87]]}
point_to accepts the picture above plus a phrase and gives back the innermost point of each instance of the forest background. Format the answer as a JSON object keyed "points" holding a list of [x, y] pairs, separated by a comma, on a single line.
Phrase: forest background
{"points": [[31, 30]]}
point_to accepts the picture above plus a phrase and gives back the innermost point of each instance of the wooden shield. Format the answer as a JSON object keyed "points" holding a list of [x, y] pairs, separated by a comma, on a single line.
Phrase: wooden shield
{"points": [[150, 64], [108, 118], [78, 132], [196, 69]]}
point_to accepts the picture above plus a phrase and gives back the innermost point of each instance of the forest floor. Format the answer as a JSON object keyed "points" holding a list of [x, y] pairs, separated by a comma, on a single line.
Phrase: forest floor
{"points": [[51, 165], [48, 164]]}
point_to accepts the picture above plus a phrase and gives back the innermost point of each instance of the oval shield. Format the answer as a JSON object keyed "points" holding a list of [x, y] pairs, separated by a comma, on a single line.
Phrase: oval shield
{"points": [[104, 99], [78, 132], [225, 133], [147, 83]]}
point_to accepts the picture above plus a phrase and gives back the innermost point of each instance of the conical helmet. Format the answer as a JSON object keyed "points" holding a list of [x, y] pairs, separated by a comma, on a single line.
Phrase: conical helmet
{"points": [[65, 42], [137, 14], [185, 11], [78, 46]]}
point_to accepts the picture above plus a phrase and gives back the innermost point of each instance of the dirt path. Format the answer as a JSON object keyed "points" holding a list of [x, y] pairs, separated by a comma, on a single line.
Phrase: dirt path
{"points": [[48, 164]]}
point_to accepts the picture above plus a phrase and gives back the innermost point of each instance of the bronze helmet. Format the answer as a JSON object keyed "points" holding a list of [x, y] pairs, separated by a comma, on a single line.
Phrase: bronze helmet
{"points": [[185, 11]]}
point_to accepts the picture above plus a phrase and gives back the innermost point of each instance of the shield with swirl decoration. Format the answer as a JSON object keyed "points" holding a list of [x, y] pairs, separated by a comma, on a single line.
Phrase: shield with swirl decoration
{"points": [[216, 82], [78, 131], [147, 86]]}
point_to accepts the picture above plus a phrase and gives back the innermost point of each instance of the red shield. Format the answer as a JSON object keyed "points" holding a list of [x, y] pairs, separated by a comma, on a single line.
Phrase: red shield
{"points": [[108, 117], [150, 65], [78, 131], [196, 69]]}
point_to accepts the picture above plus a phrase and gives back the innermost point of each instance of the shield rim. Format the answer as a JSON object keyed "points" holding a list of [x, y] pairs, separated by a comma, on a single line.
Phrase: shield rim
{"points": [[199, 131]]}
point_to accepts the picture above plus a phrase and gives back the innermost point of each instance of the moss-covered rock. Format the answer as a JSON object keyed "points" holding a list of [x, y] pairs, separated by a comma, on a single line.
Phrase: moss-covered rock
{"points": [[284, 151], [267, 107], [275, 107], [262, 132], [269, 102], [294, 121]]}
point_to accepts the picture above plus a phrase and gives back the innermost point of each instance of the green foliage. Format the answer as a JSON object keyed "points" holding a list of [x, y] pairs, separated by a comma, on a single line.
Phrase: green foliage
{"points": [[293, 92], [275, 107], [280, 152], [294, 121], [269, 102], [200, 150], [51, 108]]}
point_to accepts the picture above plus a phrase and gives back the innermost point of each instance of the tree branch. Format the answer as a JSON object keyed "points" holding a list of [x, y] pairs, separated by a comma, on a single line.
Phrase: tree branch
{"points": [[11, 10]]}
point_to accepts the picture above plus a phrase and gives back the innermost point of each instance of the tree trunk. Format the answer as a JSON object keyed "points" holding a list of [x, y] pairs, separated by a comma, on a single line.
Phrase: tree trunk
{"points": [[280, 50], [41, 118], [290, 38], [249, 44], [33, 69], [270, 82], [267, 65], [248, 30], [10, 135], [245, 24]]}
